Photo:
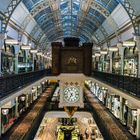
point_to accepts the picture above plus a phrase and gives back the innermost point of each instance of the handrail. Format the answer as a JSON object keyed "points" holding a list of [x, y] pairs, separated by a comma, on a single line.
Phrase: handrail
{"points": [[131, 85], [11, 83]]}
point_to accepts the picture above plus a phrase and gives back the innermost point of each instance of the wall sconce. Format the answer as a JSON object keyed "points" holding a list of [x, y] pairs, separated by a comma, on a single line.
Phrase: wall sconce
{"points": [[11, 41], [129, 43], [22, 98], [26, 47], [134, 112], [5, 111], [43, 82]]}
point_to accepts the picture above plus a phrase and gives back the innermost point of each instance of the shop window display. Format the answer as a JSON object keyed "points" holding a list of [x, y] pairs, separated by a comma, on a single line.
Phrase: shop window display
{"points": [[101, 63], [23, 64], [130, 62], [8, 118], [97, 63], [116, 62], [106, 63], [21, 103], [8, 55]]}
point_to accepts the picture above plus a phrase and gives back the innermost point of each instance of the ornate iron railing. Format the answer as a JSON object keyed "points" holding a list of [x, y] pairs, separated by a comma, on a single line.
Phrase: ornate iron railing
{"points": [[131, 85], [12, 83]]}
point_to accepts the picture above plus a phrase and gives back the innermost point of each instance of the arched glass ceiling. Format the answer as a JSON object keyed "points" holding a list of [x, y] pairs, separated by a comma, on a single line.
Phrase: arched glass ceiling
{"points": [[69, 17]]}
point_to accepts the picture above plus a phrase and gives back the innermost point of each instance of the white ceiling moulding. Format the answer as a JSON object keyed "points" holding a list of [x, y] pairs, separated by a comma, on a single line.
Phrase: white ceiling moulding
{"points": [[103, 52], [11, 41], [33, 51], [129, 43], [25, 47], [113, 49], [39, 53], [97, 54]]}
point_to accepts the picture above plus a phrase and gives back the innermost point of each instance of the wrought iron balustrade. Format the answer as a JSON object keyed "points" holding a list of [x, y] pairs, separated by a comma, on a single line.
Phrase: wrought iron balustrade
{"points": [[12, 83], [131, 85]]}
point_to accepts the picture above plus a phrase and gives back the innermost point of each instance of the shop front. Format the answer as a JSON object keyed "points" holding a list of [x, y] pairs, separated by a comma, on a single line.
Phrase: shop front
{"points": [[116, 63], [7, 58], [106, 63], [101, 63], [34, 93], [21, 104], [130, 117], [130, 61], [8, 115]]}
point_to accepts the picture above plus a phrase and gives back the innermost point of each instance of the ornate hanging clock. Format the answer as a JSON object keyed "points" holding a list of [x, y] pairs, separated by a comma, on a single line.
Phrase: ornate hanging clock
{"points": [[71, 95]]}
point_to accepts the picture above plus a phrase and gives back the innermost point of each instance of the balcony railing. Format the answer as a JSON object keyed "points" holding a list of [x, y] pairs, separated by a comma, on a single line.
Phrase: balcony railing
{"points": [[131, 85], [12, 83]]}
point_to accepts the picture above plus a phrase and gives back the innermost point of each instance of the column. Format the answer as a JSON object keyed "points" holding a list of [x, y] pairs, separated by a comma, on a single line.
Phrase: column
{"points": [[121, 53], [110, 63], [103, 63], [26, 68], [2, 36], [17, 49], [138, 124], [16, 109], [137, 39], [33, 64], [121, 109], [0, 122]]}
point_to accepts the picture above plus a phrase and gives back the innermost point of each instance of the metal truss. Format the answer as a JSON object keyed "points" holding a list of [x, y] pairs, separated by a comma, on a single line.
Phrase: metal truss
{"points": [[131, 12], [10, 9], [125, 3], [39, 7], [35, 29], [97, 24]]}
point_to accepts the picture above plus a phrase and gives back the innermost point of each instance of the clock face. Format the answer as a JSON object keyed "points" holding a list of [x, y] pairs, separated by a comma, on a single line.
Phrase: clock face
{"points": [[71, 94]]}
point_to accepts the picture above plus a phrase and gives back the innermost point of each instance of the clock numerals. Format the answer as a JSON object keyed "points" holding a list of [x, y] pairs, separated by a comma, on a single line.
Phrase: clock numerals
{"points": [[71, 94]]}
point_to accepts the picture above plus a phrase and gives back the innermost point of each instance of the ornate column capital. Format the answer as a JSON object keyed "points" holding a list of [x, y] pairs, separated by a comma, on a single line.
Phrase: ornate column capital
{"points": [[121, 48]]}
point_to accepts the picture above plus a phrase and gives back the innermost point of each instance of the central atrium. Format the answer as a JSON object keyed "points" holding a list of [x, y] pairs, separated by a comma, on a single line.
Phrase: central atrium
{"points": [[69, 70]]}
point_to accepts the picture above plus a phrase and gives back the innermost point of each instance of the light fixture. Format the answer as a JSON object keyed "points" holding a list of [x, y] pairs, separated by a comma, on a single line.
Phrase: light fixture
{"points": [[5, 111], [129, 43], [93, 56], [22, 98], [103, 52], [97, 54], [43, 55], [113, 49], [134, 112], [98, 48], [26, 47], [33, 51], [11, 41], [39, 53]]}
